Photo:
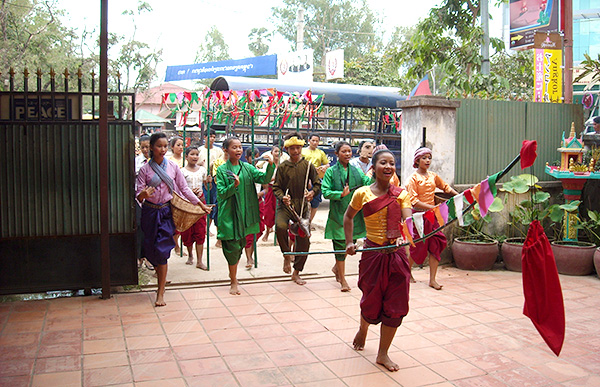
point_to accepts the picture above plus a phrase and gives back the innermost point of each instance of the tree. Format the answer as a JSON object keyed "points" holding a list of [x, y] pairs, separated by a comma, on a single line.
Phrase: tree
{"points": [[136, 63], [259, 41], [32, 36], [373, 69], [214, 47], [330, 25], [448, 42]]}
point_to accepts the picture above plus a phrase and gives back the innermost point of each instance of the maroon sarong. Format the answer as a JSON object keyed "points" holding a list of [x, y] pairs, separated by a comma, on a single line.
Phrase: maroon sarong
{"points": [[196, 233], [383, 279], [267, 207], [435, 244]]}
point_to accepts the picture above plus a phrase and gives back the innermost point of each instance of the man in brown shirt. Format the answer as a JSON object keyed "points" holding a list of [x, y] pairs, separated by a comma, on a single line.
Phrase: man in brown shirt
{"points": [[290, 188]]}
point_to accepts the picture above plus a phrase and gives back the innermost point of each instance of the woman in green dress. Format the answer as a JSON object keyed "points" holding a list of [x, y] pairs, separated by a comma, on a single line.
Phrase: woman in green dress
{"points": [[238, 204], [338, 185]]}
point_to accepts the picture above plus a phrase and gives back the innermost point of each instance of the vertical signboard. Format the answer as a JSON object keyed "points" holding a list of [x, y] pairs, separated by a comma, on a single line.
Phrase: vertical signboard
{"points": [[334, 65], [296, 66], [548, 67]]}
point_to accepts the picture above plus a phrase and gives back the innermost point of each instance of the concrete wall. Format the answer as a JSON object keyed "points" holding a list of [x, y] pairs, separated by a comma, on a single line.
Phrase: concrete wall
{"points": [[438, 116]]}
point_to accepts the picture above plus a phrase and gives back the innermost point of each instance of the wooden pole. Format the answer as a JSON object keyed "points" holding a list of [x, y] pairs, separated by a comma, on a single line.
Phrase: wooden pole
{"points": [[568, 89]]}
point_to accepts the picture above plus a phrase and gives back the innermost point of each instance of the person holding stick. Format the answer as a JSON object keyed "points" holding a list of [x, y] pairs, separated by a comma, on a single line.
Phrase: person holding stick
{"points": [[238, 203], [290, 189], [339, 183], [384, 274]]}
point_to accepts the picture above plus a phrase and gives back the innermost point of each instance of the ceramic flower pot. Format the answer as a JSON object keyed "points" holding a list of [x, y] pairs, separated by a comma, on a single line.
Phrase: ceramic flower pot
{"points": [[511, 250], [597, 261], [474, 255], [574, 258]]}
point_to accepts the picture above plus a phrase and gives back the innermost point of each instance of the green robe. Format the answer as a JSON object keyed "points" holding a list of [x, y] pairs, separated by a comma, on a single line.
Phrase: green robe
{"points": [[333, 184], [238, 207]]}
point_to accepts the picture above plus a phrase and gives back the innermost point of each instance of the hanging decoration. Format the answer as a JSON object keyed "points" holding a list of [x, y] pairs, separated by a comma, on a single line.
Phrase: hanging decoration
{"points": [[263, 103]]}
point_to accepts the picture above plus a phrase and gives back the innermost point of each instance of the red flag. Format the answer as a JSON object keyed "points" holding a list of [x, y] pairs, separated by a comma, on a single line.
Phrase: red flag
{"points": [[541, 287], [528, 153], [422, 88]]}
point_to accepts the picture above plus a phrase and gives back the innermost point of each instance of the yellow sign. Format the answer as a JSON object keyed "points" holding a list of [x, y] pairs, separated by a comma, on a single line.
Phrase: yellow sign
{"points": [[548, 76]]}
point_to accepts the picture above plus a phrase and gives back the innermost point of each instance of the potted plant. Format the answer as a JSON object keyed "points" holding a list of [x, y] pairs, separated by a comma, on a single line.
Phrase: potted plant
{"points": [[475, 249], [535, 206], [591, 226], [573, 257]]}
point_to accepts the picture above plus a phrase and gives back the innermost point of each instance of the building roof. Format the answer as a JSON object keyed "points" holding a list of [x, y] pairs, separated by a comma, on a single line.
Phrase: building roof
{"points": [[153, 96], [145, 117]]}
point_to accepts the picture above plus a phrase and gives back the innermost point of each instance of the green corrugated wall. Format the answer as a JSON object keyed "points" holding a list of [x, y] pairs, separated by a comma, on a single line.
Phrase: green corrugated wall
{"points": [[49, 179], [489, 135]]}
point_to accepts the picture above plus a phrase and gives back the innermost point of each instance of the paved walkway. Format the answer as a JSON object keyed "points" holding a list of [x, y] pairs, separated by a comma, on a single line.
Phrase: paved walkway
{"points": [[277, 333]]}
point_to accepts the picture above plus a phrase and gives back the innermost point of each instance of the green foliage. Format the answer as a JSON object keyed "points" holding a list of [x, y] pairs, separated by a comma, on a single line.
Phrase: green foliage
{"points": [[136, 64], [474, 224], [214, 47], [373, 69], [448, 44], [537, 206], [591, 226], [259, 41], [590, 67], [330, 25], [31, 36]]}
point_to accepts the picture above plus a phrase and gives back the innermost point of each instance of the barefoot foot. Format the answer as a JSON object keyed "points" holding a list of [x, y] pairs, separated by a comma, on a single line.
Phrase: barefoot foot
{"points": [[385, 361], [359, 340], [160, 300], [287, 265], [190, 261], [435, 285], [296, 278], [335, 271], [201, 266], [412, 280], [234, 290], [345, 286]]}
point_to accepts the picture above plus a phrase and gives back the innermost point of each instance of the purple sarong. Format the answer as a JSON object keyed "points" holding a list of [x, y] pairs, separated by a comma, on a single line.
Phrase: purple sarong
{"points": [[383, 279], [158, 227]]}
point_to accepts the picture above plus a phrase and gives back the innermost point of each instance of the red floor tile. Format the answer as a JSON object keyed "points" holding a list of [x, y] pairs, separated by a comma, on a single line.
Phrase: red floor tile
{"points": [[263, 377], [292, 357], [16, 367], [155, 371], [107, 376], [206, 366], [58, 364], [104, 345], [154, 355], [105, 360], [63, 379], [197, 351]]}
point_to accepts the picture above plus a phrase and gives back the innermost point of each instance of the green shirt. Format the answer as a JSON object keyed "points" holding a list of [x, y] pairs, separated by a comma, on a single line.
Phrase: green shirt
{"points": [[335, 179], [238, 207]]}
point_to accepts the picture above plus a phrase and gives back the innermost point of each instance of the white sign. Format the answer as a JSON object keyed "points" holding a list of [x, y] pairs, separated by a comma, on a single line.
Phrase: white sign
{"points": [[334, 65], [190, 119], [296, 66]]}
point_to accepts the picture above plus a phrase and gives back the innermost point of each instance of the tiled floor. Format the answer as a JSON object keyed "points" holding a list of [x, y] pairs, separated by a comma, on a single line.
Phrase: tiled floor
{"points": [[470, 334]]}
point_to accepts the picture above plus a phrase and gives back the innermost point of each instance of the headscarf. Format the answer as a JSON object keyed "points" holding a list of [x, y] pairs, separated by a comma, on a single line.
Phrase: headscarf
{"points": [[292, 141], [420, 153], [379, 147]]}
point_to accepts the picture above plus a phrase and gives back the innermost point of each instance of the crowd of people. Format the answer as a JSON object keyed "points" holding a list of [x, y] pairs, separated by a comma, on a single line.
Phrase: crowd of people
{"points": [[282, 189]]}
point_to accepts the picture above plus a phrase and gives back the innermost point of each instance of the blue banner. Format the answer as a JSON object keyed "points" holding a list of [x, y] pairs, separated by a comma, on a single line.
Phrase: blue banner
{"points": [[259, 65]]}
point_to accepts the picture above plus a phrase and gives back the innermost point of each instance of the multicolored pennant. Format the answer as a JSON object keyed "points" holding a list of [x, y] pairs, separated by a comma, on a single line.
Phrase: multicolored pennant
{"points": [[475, 191], [430, 216], [458, 205], [410, 226], [406, 234], [451, 208], [419, 225], [469, 196], [443, 207], [438, 215], [486, 198]]}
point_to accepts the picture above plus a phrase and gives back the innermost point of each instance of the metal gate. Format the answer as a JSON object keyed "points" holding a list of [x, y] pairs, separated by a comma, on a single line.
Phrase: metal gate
{"points": [[49, 188]]}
